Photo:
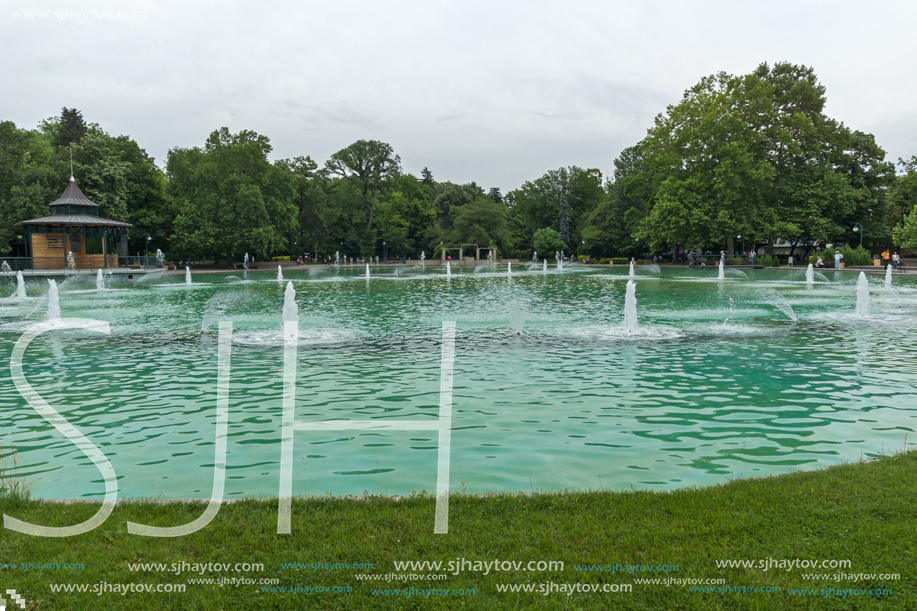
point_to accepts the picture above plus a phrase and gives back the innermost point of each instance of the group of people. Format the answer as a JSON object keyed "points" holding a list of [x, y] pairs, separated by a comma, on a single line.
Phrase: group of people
{"points": [[894, 259]]}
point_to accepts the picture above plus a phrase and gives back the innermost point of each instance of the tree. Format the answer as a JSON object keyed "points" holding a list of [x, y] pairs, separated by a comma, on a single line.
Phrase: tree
{"points": [[548, 240], [102, 173], [482, 221], [31, 176], [755, 155], [71, 129], [369, 164], [906, 232], [707, 154], [449, 197], [309, 200], [904, 203], [231, 198], [609, 228], [562, 199]]}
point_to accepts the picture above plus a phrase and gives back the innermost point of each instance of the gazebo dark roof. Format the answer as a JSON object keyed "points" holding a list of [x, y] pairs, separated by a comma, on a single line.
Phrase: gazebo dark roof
{"points": [[73, 196], [74, 209], [75, 219]]}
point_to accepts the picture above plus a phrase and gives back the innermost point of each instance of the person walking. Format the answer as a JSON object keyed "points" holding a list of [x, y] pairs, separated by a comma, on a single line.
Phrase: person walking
{"points": [[896, 260], [837, 259], [886, 258], [751, 257]]}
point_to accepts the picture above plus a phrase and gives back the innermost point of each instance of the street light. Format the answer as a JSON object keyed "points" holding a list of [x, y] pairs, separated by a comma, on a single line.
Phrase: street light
{"points": [[859, 229], [384, 252], [743, 242], [148, 240]]}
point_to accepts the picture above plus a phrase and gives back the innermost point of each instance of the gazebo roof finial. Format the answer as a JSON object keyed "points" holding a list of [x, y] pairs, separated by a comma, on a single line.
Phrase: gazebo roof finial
{"points": [[71, 162]]}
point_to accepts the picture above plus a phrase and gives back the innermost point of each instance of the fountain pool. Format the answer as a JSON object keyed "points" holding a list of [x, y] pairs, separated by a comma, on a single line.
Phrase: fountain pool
{"points": [[550, 393]]}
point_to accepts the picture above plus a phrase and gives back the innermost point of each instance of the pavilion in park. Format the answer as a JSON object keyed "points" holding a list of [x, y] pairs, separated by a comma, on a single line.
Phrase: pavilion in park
{"points": [[75, 227]]}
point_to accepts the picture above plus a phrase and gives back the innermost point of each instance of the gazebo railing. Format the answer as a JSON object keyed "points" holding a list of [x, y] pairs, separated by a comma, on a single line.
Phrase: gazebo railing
{"points": [[80, 263]]}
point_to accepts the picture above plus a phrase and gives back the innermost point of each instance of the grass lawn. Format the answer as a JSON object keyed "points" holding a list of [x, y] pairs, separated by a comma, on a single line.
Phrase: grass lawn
{"points": [[865, 513]]}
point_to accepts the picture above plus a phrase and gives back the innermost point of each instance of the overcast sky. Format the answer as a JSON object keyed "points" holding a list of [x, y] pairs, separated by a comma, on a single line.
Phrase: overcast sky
{"points": [[495, 92]]}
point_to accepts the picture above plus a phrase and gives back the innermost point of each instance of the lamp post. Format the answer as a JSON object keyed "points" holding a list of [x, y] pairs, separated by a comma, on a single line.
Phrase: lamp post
{"points": [[743, 242], [146, 251], [859, 229], [384, 252]]}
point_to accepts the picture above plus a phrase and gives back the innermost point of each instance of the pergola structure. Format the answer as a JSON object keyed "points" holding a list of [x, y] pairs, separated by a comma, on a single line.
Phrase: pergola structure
{"points": [[480, 254], [75, 227]]}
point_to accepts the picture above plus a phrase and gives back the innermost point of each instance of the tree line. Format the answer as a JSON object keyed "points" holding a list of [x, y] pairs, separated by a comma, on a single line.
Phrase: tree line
{"points": [[748, 159]]}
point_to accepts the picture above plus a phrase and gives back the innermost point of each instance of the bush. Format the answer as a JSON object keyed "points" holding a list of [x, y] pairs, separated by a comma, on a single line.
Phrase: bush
{"points": [[620, 260], [644, 261], [767, 260], [603, 261], [280, 259], [735, 261], [855, 256]]}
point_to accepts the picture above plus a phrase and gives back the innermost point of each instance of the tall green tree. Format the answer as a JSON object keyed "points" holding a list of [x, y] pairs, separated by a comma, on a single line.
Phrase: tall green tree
{"points": [[756, 155], [609, 228], [231, 198], [483, 222], [31, 176], [70, 128], [561, 199], [369, 164], [903, 208]]}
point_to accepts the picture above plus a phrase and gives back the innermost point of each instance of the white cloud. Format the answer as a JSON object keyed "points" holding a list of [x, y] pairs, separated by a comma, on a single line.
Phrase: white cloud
{"points": [[496, 92]]}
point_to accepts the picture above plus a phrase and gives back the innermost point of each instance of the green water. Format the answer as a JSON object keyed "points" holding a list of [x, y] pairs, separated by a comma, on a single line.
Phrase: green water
{"points": [[719, 381]]}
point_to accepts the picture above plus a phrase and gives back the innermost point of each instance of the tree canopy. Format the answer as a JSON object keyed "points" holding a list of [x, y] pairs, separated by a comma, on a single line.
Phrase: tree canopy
{"points": [[748, 158]]}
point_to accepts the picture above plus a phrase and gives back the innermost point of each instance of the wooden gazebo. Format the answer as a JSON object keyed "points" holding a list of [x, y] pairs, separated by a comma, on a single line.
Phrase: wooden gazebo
{"points": [[75, 226]]}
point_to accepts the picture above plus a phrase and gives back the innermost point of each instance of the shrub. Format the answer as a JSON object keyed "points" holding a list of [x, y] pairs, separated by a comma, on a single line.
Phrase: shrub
{"points": [[767, 260], [855, 256], [620, 260], [280, 259], [735, 261], [644, 261], [603, 261]]}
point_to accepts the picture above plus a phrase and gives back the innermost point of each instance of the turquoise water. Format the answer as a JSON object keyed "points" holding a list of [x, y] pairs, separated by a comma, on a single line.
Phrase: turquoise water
{"points": [[754, 375]]}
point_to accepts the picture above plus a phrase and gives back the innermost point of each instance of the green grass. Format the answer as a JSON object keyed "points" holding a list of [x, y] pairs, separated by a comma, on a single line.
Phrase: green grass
{"points": [[863, 512], [12, 488]]}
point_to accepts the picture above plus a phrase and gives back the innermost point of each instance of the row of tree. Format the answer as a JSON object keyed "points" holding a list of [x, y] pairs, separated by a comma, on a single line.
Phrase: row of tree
{"points": [[751, 158]]}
